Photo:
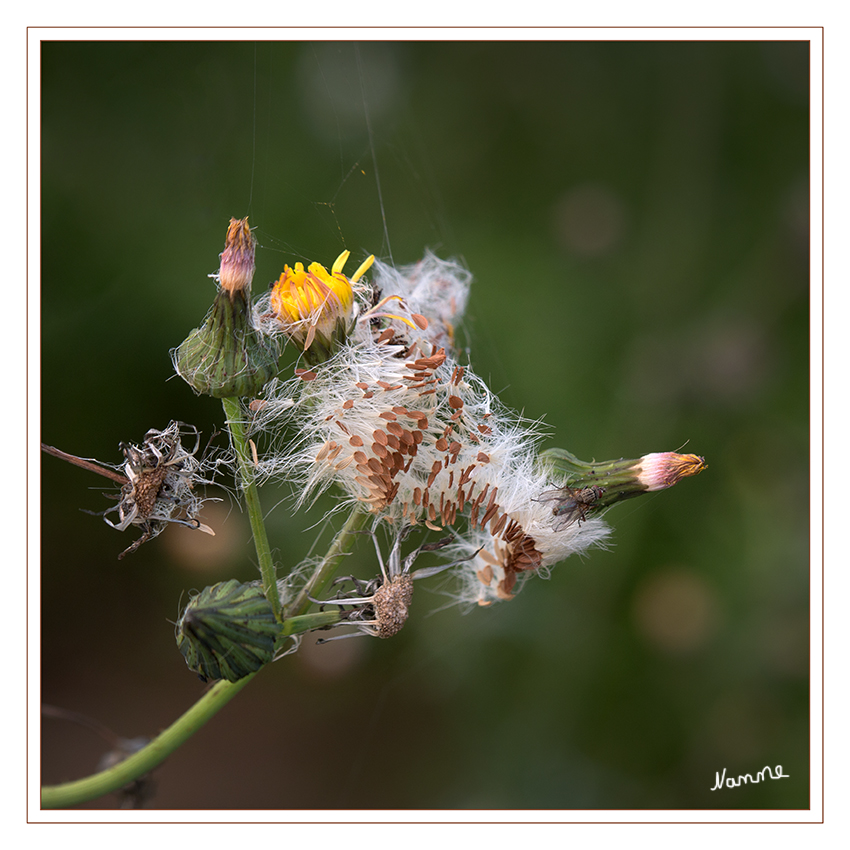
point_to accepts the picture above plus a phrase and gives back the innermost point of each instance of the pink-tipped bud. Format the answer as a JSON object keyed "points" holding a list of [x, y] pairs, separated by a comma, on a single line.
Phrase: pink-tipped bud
{"points": [[661, 470], [237, 259]]}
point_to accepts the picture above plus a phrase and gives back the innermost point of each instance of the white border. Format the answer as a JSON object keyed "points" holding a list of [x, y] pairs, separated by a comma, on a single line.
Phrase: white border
{"points": [[814, 35]]}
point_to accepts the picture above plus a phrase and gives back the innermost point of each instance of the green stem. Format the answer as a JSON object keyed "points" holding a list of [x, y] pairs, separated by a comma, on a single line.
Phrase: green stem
{"points": [[142, 762], [233, 412], [297, 622], [146, 759], [327, 568]]}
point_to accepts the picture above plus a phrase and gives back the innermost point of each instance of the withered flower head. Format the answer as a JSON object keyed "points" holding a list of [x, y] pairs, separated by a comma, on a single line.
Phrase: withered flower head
{"points": [[380, 607], [161, 476]]}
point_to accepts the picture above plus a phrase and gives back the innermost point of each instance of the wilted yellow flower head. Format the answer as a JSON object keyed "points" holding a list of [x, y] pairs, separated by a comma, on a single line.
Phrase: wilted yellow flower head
{"points": [[315, 304]]}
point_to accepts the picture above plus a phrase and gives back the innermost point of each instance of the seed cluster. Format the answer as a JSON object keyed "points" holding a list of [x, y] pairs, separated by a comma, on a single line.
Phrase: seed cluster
{"points": [[391, 604], [425, 461], [395, 421]]}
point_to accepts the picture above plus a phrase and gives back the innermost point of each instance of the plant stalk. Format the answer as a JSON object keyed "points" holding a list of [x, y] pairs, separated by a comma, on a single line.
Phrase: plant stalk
{"points": [[330, 563], [233, 414], [142, 762]]}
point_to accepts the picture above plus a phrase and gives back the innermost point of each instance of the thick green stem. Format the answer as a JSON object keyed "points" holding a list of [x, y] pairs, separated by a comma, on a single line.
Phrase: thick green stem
{"points": [[233, 412], [341, 546]]}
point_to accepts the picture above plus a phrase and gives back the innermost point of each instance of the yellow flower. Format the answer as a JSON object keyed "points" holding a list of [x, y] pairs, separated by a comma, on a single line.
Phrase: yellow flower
{"points": [[315, 304]]}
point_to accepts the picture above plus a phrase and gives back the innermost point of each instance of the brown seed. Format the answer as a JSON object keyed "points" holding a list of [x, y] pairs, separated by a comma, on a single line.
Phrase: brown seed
{"points": [[489, 514], [394, 427], [483, 457], [455, 402], [380, 437], [485, 429], [445, 513], [442, 444], [379, 450], [420, 321], [388, 415], [495, 529], [361, 385], [355, 441], [347, 405], [360, 457], [485, 576], [323, 452], [417, 495]]}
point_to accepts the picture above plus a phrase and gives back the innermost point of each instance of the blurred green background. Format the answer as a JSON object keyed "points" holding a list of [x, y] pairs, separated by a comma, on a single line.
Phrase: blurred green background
{"points": [[636, 219]]}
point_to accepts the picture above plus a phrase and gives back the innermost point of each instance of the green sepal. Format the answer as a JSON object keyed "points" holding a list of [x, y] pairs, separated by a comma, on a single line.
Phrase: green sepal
{"points": [[618, 479], [226, 357]]}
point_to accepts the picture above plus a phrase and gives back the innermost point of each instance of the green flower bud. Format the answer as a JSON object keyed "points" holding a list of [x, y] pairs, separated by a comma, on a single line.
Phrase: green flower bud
{"points": [[227, 356], [228, 631], [593, 485]]}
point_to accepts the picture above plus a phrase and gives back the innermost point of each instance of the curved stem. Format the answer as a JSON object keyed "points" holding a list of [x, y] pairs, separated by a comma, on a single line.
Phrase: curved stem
{"points": [[327, 568], [146, 759], [233, 412], [142, 762]]}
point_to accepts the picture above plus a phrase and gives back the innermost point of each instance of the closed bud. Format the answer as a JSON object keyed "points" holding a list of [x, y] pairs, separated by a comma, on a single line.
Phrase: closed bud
{"points": [[591, 486], [228, 631], [227, 356]]}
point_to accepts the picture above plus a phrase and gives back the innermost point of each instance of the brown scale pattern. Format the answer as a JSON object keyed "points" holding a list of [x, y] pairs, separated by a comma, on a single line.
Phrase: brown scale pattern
{"points": [[392, 449], [146, 489]]}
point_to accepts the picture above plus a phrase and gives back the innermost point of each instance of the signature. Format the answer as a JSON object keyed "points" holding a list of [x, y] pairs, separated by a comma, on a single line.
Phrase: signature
{"points": [[720, 781]]}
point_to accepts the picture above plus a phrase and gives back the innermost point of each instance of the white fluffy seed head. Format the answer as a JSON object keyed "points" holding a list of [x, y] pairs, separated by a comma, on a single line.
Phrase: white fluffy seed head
{"points": [[400, 426]]}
